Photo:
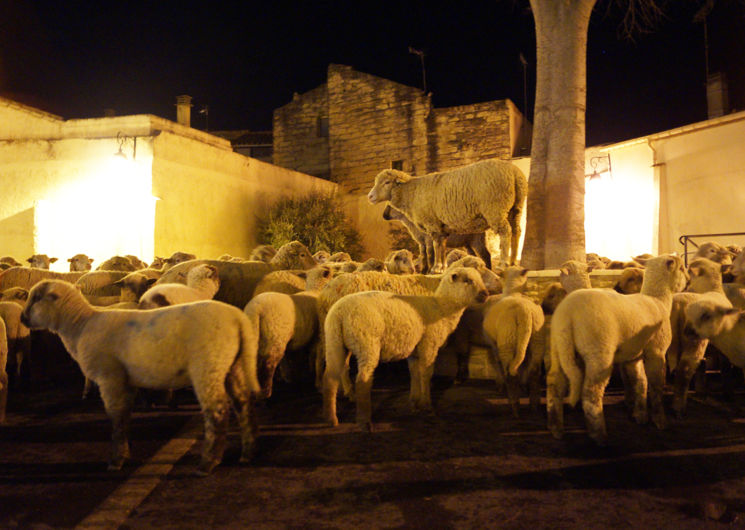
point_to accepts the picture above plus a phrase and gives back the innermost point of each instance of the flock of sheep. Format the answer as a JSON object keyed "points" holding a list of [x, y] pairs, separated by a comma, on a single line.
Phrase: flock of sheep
{"points": [[225, 326]]}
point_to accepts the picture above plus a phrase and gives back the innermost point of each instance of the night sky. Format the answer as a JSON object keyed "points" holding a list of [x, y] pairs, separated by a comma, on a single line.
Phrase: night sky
{"points": [[77, 58]]}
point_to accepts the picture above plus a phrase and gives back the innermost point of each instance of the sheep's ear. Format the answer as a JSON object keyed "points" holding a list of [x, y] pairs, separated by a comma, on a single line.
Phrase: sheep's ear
{"points": [[22, 294], [524, 272], [671, 263], [302, 274], [69, 259], [564, 271], [52, 260], [454, 276], [151, 281], [91, 260]]}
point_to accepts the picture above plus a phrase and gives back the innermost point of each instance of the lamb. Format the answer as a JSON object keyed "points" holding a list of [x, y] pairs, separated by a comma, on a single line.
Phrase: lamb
{"points": [[157, 263], [238, 280], [475, 243], [604, 327], [509, 324], [377, 326], [10, 260], [630, 281], [176, 258], [162, 348], [134, 284], [454, 255], [116, 263], [26, 277], [263, 253], [202, 282], [18, 295], [339, 257], [80, 262], [487, 194], [575, 275], [713, 251], [286, 322], [40, 261], [400, 262], [687, 350], [322, 256], [372, 264], [136, 262], [17, 338], [100, 282], [724, 326]]}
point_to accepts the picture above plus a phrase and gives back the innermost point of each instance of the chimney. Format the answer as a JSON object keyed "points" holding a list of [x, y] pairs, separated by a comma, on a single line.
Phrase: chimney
{"points": [[717, 95], [183, 110]]}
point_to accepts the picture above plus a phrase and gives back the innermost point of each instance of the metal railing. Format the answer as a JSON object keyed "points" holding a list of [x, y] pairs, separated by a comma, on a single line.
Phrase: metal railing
{"points": [[688, 238]]}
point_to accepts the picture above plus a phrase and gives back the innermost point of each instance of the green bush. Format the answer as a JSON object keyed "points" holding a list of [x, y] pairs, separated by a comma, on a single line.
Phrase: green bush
{"points": [[315, 220]]}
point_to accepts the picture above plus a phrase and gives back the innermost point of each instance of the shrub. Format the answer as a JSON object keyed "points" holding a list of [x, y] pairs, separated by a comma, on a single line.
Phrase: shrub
{"points": [[316, 220]]}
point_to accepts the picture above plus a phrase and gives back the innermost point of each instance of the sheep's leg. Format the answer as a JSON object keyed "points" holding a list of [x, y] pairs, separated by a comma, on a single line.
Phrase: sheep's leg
{"points": [[532, 375], [504, 231], [593, 389], [366, 364], [216, 415], [512, 382], [330, 389], [243, 403], [635, 390], [684, 372], [118, 399], [440, 246], [556, 386], [414, 385], [492, 358], [513, 218], [426, 369], [654, 366], [3, 394], [267, 365]]}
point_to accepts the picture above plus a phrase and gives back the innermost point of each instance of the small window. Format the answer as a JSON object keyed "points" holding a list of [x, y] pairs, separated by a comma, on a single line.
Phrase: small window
{"points": [[397, 164], [322, 127]]}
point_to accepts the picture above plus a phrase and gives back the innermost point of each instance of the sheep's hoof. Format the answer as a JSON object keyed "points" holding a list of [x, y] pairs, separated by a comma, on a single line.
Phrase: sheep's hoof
{"points": [[205, 468]]}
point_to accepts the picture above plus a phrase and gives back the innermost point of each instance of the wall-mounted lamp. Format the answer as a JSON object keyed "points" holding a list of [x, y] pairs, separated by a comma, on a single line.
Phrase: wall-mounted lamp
{"points": [[600, 164], [121, 140]]}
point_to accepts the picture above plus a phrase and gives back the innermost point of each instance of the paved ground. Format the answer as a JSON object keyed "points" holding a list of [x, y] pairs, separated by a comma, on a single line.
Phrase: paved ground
{"points": [[472, 465]]}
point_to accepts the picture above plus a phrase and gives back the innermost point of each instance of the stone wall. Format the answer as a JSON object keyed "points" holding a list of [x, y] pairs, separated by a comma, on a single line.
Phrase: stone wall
{"points": [[299, 143]]}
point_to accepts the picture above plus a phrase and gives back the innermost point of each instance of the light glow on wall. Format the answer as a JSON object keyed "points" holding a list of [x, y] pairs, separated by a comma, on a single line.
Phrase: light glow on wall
{"points": [[621, 207], [108, 211]]}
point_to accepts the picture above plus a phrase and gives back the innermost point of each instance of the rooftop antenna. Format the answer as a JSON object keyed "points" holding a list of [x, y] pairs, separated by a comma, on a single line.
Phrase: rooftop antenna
{"points": [[420, 53]]}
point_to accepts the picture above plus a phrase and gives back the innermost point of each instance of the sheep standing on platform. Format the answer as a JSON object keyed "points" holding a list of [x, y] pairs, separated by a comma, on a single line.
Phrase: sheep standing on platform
{"points": [[208, 345], [475, 243], [603, 327], [379, 327], [487, 194]]}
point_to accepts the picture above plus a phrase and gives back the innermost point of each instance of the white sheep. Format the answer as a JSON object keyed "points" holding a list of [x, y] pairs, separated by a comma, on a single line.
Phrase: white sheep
{"points": [[284, 281], [413, 284], [100, 283], [509, 325], [134, 284], [80, 262], [322, 256], [687, 350], [339, 257], [286, 323], [26, 277], [202, 282], [176, 258], [170, 347], [475, 243], [487, 194], [40, 261], [630, 281], [713, 251], [238, 280], [11, 261], [136, 262], [372, 264], [603, 327], [17, 336], [400, 262], [724, 326], [117, 263], [379, 327]]}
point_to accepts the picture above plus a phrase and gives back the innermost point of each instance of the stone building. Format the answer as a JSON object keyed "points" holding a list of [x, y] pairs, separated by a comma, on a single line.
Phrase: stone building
{"points": [[356, 124]]}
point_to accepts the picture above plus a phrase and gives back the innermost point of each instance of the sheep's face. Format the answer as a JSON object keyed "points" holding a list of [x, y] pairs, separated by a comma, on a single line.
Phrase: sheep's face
{"points": [[705, 275], [709, 319], [463, 285], [117, 263], [630, 281], [454, 255], [176, 258], [18, 295], [80, 263], [401, 262], [488, 277], [294, 255], [158, 263], [385, 181], [42, 306], [40, 261], [515, 278], [202, 274], [554, 294], [339, 257], [714, 252], [133, 286], [321, 256], [136, 262]]}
